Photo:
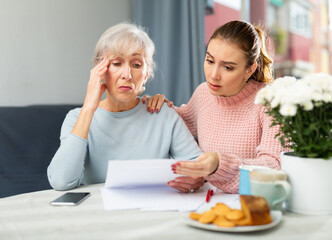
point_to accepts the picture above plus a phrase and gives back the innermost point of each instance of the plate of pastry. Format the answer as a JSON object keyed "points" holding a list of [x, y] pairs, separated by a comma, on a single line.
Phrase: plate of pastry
{"points": [[254, 215]]}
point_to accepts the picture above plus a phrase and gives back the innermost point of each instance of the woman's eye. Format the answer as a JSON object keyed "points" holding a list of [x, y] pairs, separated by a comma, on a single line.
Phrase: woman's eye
{"points": [[116, 64], [228, 68], [209, 61], [137, 65]]}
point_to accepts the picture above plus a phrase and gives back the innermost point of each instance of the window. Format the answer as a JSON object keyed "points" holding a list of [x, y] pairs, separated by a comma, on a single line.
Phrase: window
{"points": [[300, 20]]}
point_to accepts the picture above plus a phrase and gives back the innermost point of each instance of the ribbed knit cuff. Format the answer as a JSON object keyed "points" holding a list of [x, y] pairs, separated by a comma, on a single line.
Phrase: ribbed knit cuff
{"points": [[227, 175]]}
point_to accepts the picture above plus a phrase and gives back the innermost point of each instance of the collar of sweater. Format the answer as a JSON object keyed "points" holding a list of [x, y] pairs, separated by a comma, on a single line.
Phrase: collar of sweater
{"points": [[248, 90], [121, 114]]}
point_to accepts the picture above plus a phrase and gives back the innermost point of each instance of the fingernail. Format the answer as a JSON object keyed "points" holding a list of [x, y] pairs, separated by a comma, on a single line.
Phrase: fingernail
{"points": [[143, 101], [148, 109], [157, 110], [151, 110]]}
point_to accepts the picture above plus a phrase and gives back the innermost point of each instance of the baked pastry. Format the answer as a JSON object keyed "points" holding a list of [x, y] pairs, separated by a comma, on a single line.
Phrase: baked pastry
{"points": [[221, 209], [255, 209], [221, 221], [195, 216], [207, 217]]}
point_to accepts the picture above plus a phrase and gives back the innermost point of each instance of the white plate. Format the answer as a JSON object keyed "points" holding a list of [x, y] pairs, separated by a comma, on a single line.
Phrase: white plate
{"points": [[276, 218]]}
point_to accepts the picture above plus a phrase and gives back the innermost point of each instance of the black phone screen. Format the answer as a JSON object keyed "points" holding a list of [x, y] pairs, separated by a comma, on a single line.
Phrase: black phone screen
{"points": [[71, 198]]}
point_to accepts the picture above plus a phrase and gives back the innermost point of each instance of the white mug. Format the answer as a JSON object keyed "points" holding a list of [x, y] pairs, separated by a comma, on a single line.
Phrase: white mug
{"points": [[272, 185], [244, 185]]}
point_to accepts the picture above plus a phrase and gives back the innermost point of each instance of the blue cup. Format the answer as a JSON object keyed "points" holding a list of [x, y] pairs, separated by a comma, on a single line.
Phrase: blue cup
{"points": [[244, 187]]}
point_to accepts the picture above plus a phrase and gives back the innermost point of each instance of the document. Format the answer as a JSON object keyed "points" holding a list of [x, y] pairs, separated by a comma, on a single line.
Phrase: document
{"points": [[139, 173], [142, 184]]}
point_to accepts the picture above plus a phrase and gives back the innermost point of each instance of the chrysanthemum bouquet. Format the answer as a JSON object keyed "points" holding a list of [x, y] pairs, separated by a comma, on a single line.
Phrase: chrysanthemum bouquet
{"points": [[303, 110]]}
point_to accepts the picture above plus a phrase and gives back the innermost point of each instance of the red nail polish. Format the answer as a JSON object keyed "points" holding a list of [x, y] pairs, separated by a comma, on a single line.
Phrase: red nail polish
{"points": [[151, 111], [143, 101], [148, 109], [157, 110]]}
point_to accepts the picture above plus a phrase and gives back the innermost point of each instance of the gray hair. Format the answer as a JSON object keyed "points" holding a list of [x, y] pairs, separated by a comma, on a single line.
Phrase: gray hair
{"points": [[126, 38]]}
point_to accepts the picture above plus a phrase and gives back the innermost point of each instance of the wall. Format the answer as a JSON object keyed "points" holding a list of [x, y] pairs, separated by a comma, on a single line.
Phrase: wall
{"points": [[222, 14], [46, 47]]}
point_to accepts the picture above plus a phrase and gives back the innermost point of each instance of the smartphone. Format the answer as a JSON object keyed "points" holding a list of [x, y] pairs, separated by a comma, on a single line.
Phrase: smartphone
{"points": [[71, 198]]}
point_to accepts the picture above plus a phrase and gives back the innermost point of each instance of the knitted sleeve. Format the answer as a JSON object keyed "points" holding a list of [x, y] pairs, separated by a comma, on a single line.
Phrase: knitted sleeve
{"points": [[189, 111], [268, 154], [66, 170]]}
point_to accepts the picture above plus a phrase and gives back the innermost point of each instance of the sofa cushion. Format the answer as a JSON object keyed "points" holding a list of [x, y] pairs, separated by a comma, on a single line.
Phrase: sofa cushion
{"points": [[29, 138]]}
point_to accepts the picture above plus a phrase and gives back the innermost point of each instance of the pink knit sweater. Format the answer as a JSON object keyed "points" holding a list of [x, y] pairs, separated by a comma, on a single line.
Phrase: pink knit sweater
{"points": [[234, 127]]}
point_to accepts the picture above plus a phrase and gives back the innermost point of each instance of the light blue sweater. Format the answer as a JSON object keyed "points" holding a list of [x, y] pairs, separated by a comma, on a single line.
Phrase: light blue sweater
{"points": [[133, 134]]}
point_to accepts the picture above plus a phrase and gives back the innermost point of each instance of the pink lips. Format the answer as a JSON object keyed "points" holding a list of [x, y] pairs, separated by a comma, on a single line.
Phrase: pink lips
{"points": [[214, 87], [125, 88]]}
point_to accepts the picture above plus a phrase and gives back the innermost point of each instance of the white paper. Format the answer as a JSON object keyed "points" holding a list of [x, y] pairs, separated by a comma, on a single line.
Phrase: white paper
{"points": [[155, 198], [142, 172], [142, 184]]}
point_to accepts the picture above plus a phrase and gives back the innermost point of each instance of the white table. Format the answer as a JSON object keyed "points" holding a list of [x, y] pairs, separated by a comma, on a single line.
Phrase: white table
{"points": [[29, 216]]}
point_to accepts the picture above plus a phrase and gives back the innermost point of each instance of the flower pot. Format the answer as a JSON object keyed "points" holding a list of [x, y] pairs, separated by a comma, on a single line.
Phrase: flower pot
{"points": [[311, 180]]}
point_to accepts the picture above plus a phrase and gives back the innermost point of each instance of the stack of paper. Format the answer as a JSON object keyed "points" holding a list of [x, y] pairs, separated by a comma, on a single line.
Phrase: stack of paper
{"points": [[141, 184]]}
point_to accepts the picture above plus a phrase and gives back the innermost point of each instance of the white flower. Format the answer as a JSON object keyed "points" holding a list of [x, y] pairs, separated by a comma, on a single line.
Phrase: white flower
{"points": [[320, 85], [282, 92], [317, 96], [327, 97], [289, 93], [301, 92], [265, 94], [283, 82], [307, 106], [319, 81], [288, 110], [275, 102]]}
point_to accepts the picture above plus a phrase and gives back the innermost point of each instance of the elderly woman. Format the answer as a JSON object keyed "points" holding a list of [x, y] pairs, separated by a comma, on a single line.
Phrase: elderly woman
{"points": [[117, 127]]}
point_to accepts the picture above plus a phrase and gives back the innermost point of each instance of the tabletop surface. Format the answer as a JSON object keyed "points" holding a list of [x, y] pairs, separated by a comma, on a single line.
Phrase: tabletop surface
{"points": [[30, 216]]}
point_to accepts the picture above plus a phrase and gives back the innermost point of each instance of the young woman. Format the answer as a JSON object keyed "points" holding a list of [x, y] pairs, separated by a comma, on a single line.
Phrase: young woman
{"points": [[230, 128]]}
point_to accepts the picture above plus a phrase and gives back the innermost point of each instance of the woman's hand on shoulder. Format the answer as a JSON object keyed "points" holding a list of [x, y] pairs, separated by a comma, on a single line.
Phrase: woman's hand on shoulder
{"points": [[155, 102], [96, 85], [185, 184]]}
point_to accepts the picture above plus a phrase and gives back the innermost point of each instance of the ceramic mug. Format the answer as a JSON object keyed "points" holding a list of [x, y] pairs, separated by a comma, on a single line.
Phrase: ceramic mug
{"points": [[244, 186], [272, 185]]}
